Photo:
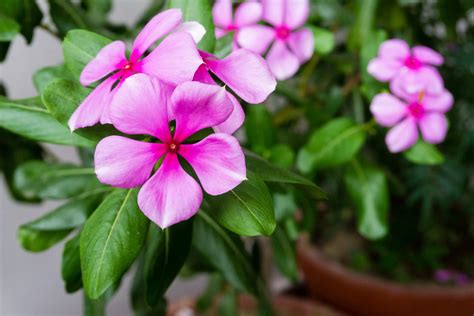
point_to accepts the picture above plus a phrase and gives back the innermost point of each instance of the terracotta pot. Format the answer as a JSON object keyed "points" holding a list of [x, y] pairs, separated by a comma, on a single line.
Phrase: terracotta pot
{"points": [[366, 295], [284, 305]]}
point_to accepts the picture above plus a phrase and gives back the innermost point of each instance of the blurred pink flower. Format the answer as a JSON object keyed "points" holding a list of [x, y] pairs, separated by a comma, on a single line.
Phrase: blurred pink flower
{"points": [[446, 275], [418, 110], [173, 61], [247, 14], [243, 71], [170, 195], [292, 45], [408, 70]]}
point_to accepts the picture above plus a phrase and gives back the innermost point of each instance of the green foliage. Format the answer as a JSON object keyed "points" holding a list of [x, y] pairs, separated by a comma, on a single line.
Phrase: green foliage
{"points": [[246, 210], [324, 41], [425, 154], [71, 265], [284, 254], [46, 75], [111, 240], [26, 13], [8, 28], [68, 16]]}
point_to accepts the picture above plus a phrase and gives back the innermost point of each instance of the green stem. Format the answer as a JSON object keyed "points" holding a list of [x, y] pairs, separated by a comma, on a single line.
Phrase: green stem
{"points": [[94, 307]]}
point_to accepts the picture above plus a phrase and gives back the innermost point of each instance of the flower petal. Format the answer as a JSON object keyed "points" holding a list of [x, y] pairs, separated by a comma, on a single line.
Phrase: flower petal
{"points": [[434, 127], [202, 75], [412, 82], [394, 49], [92, 108], [282, 62], [109, 59], [273, 11], [296, 13], [384, 69], [218, 162], [402, 136], [197, 106], [171, 195], [248, 13], [175, 60], [433, 82], [387, 109], [125, 163], [222, 13], [220, 32], [246, 73], [195, 29], [234, 121], [140, 107], [160, 25], [427, 55], [439, 103], [256, 38], [302, 44]]}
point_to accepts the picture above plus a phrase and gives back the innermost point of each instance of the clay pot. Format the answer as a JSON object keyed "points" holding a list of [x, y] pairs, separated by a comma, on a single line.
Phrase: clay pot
{"points": [[361, 294], [284, 305]]}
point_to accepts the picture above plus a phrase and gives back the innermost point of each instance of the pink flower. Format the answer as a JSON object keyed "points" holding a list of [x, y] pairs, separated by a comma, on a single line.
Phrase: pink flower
{"points": [[423, 110], [173, 61], [170, 195], [248, 13], [292, 45], [246, 73], [407, 70]]}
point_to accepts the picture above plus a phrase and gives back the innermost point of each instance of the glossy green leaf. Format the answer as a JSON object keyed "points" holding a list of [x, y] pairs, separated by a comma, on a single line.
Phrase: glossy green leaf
{"points": [[367, 187], [46, 75], [324, 41], [199, 11], [68, 16], [282, 155], [225, 252], [424, 154], [111, 240], [8, 28], [71, 265], [271, 173], [25, 12], [246, 210], [335, 143], [37, 124], [62, 97], [39, 240], [284, 254], [54, 181], [165, 254], [80, 47]]}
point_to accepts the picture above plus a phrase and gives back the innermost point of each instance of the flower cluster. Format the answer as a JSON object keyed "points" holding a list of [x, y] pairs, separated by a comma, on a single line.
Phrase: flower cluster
{"points": [[418, 99], [288, 44], [164, 96]]}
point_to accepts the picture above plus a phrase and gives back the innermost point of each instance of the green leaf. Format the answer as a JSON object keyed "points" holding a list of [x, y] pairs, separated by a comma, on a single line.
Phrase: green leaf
{"points": [[284, 254], [98, 7], [111, 240], [225, 252], [8, 28], [259, 128], [424, 154], [25, 12], [324, 41], [68, 16], [365, 16], [335, 143], [282, 155], [38, 240], [228, 303], [199, 11], [46, 75], [71, 265], [367, 187], [246, 210], [80, 47], [54, 181], [164, 256], [271, 173], [62, 97], [37, 124]]}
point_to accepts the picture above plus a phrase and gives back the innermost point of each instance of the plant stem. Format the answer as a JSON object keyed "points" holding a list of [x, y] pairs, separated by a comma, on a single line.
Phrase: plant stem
{"points": [[49, 30]]}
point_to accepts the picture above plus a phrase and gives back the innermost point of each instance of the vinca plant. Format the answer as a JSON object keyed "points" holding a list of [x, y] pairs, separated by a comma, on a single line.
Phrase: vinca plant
{"points": [[203, 128]]}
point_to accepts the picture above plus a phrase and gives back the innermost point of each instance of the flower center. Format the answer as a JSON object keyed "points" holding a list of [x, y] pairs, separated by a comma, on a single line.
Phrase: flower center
{"points": [[416, 110], [282, 32], [173, 147], [231, 28], [412, 63], [127, 66]]}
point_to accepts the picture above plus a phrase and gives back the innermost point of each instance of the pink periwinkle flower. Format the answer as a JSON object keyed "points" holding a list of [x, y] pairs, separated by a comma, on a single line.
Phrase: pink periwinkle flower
{"points": [[446, 276], [247, 14], [243, 71], [173, 61], [423, 111], [292, 45], [170, 195], [408, 70]]}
